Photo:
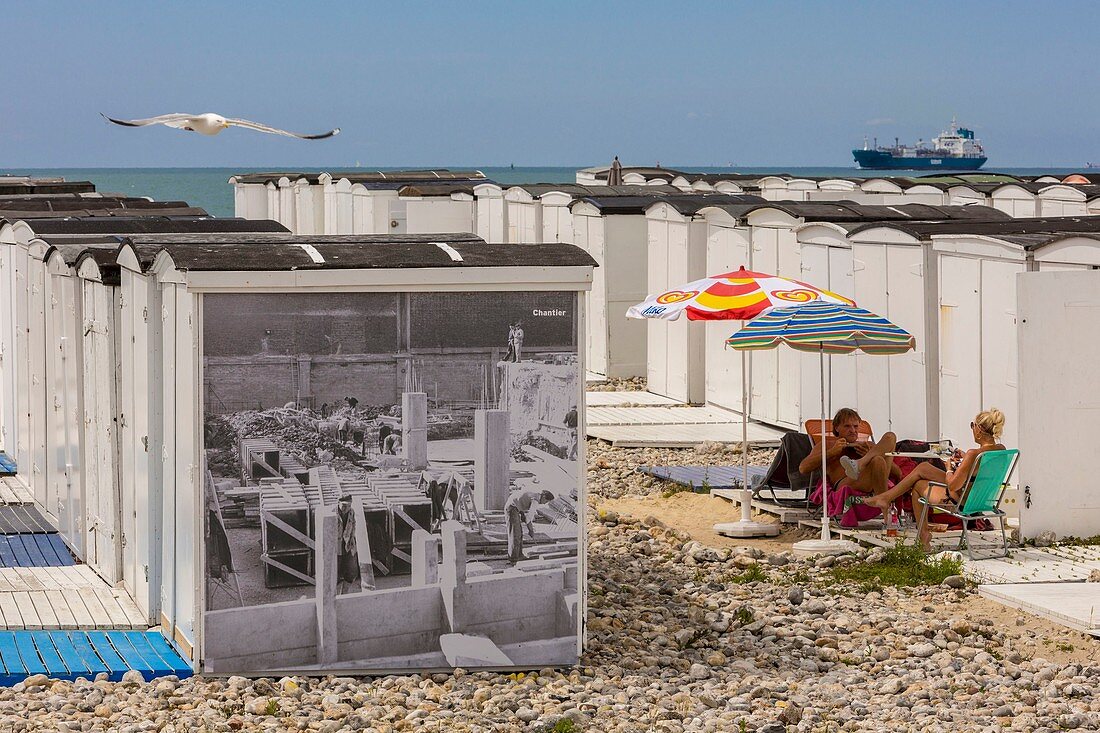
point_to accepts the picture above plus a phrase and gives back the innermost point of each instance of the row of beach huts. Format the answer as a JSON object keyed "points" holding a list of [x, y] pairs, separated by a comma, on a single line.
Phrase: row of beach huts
{"points": [[936, 254], [101, 311]]}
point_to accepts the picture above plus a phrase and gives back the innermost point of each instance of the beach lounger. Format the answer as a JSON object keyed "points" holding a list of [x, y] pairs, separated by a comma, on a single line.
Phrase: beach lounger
{"points": [[981, 499], [783, 475]]}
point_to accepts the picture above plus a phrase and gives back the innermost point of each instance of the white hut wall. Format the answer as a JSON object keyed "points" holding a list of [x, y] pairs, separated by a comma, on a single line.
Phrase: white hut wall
{"points": [[9, 358], [1056, 309], [21, 358], [101, 460], [308, 215], [923, 194], [776, 373], [492, 214], [37, 404], [179, 581], [250, 200], [288, 204], [524, 220], [272, 195], [557, 219], [1062, 201], [857, 196], [139, 417], [675, 349], [977, 321], [827, 263], [728, 248], [1071, 253], [730, 187], [624, 279], [1015, 201], [440, 214], [68, 452], [966, 196]]}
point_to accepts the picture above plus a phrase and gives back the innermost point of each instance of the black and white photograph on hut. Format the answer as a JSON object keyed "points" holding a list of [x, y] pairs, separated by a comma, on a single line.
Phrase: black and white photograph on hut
{"points": [[391, 480]]}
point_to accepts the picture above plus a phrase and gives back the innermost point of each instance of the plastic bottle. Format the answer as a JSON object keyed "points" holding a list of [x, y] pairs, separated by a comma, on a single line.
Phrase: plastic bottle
{"points": [[892, 522]]}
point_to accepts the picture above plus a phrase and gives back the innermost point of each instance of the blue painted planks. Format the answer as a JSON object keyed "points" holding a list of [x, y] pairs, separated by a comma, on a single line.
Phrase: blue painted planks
{"points": [[153, 661], [714, 477], [37, 559], [73, 660], [115, 665], [68, 655], [53, 549], [180, 666], [15, 543], [34, 551], [7, 555], [47, 651], [27, 652], [83, 647], [14, 669]]}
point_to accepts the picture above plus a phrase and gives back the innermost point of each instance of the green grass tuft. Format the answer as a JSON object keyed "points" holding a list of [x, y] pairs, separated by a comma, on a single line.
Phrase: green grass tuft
{"points": [[905, 566], [751, 574]]}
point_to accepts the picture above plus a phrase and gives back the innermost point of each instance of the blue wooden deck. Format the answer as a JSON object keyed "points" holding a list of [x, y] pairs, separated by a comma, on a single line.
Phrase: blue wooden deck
{"points": [[711, 477], [33, 551], [66, 655]]}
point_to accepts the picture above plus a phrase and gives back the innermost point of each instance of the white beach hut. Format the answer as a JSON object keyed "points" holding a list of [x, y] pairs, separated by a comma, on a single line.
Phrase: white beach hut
{"points": [[527, 616], [432, 208], [613, 231]]}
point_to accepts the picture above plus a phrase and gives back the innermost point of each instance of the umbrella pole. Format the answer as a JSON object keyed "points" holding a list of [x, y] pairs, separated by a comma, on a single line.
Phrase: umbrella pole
{"points": [[746, 527], [825, 534], [746, 491]]}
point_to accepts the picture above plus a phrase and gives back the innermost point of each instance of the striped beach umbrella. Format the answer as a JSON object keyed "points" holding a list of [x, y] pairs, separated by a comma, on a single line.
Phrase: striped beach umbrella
{"points": [[827, 328], [733, 296]]}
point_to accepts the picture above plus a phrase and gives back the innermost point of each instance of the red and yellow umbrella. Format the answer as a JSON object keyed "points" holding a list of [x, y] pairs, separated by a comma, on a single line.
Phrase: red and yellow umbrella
{"points": [[733, 296]]}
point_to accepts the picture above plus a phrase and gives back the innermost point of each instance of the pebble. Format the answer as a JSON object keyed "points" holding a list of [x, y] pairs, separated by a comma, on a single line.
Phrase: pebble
{"points": [[675, 645], [955, 581]]}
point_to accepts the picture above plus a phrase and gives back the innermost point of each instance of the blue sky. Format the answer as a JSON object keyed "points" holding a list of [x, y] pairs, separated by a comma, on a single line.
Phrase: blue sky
{"points": [[546, 83]]}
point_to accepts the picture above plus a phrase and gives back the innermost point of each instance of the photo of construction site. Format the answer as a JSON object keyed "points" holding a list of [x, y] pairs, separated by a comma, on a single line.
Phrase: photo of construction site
{"points": [[391, 481]]}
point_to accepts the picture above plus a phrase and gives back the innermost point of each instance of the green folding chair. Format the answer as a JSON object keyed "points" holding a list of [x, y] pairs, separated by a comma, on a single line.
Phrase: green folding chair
{"points": [[981, 499]]}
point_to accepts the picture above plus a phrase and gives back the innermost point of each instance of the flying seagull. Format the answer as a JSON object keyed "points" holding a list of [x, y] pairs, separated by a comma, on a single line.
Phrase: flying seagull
{"points": [[212, 124]]}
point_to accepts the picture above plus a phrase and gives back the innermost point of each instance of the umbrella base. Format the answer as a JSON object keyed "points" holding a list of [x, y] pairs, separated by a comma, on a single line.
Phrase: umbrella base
{"points": [[809, 548], [743, 529]]}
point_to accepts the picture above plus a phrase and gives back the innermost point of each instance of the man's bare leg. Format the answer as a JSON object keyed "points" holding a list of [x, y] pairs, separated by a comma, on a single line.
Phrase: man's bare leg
{"points": [[873, 477], [923, 472], [854, 467], [887, 444]]}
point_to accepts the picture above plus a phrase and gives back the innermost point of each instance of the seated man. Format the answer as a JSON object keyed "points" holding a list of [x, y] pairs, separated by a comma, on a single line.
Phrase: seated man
{"points": [[860, 465]]}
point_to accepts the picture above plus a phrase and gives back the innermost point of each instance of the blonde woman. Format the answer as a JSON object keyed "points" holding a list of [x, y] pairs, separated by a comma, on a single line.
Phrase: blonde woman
{"points": [[987, 428]]}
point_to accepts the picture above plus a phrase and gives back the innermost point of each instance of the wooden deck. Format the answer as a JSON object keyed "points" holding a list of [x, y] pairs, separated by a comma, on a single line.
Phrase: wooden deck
{"points": [[12, 491], [67, 655], [71, 597], [786, 514]]}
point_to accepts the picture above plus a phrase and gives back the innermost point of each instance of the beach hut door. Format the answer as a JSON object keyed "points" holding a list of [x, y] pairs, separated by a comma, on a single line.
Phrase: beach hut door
{"points": [[102, 508]]}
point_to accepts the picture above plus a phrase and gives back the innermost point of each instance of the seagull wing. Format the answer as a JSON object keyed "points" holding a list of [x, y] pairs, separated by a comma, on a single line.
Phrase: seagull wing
{"points": [[176, 119], [276, 131]]}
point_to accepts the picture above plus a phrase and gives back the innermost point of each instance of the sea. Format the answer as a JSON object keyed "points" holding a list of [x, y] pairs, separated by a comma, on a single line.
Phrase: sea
{"points": [[209, 188]]}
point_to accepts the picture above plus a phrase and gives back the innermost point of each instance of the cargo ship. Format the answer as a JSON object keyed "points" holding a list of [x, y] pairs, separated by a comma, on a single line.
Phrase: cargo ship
{"points": [[955, 149]]}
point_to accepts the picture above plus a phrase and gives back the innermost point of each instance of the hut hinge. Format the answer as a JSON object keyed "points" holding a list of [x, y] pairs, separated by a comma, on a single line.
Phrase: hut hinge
{"points": [[145, 314]]}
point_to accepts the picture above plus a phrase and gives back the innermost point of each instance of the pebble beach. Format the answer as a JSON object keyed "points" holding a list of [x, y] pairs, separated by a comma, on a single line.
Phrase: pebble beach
{"points": [[683, 635]]}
